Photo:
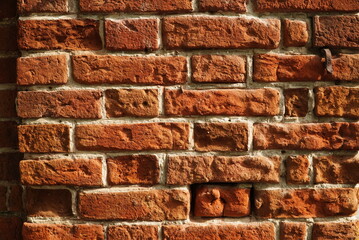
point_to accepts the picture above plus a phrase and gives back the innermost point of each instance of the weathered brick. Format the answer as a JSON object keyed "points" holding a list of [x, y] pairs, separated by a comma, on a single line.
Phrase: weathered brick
{"points": [[132, 102], [153, 205], [221, 201], [7, 70], [3, 199], [92, 69], [296, 102], [307, 136], [44, 138], [34, 6], [8, 9], [337, 101], [48, 202], [139, 6], [221, 136], [305, 6], [306, 203], [220, 32], [297, 170], [7, 106], [336, 230], [8, 134], [336, 31], [184, 170], [230, 102], [218, 69], [15, 198], [132, 232], [59, 104], [133, 137], [346, 67], [295, 33], [42, 70], [132, 34], [293, 231], [252, 231], [8, 37], [34, 231], [79, 172], [336, 169], [238, 6], [66, 34], [10, 228], [9, 166], [133, 169]]}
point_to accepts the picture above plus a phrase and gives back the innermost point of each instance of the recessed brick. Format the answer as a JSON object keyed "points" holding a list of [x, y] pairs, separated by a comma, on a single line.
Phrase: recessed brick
{"points": [[132, 232], [7, 106], [7, 70], [295, 33], [9, 166], [8, 134], [297, 170], [8, 37], [238, 6], [296, 102]]}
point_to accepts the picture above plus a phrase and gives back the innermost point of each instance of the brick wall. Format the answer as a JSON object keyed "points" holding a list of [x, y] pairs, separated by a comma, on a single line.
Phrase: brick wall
{"points": [[180, 119]]}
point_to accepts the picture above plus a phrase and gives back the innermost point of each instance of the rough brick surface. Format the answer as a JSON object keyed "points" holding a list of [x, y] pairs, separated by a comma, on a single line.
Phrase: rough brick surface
{"points": [[220, 32], [183, 170], [7, 106], [8, 134], [293, 231], [129, 70], [10, 228], [297, 170], [336, 230], [7, 70], [132, 232], [79, 172], [306, 203], [238, 6], [9, 166], [295, 33], [152, 205], [296, 102], [53, 6], [8, 37]]}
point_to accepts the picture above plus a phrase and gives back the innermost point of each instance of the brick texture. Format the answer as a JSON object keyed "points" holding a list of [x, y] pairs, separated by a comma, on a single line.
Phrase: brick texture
{"points": [[56, 6], [342, 230], [223, 6], [297, 168], [296, 33], [293, 231], [132, 232], [296, 102]]}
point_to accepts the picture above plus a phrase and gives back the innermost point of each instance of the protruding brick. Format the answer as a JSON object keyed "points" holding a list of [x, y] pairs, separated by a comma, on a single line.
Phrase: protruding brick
{"points": [[296, 102], [7, 106], [71, 34], [295, 33], [48, 202], [221, 136], [337, 102], [230, 102], [336, 169], [132, 34], [220, 32], [306, 136], [152, 205], [8, 134], [59, 104], [336, 230], [92, 69], [44, 138], [7, 69], [238, 6], [35, 231], [37, 6], [10, 228], [9, 166], [8, 37], [306, 203], [132, 232], [184, 170], [252, 231], [336, 31], [218, 69], [133, 137], [79, 172], [139, 6], [293, 231], [297, 170], [42, 70], [7, 9], [220, 201], [15, 198], [133, 169], [132, 102]]}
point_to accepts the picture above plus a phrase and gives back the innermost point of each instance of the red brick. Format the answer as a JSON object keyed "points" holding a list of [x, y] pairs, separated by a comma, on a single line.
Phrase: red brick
{"points": [[337, 102], [295, 33], [336, 169], [35, 231], [132, 34], [132, 102], [10, 228], [44, 138], [42, 70], [66, 34], [59, 104], [293, 231], [184, 170], [218, 69], [7, 70], [336, 230], [15, 198], [238, 6], [336, 31], [133, 137], [297, 170], [132, 232], [252, 231], [296, 102], [133, 169], [79, 172], [308, 136], [220, 201], [221, 136], [306, 203], [92, 69], [7, 9], [230, 102], [8, 37], [220, 32], [48, 203], [346, 67], [3, 199], [304, 6], [7, 106], [9, 166], [152, 205], [139, 6], [8, 134], [37, 6]]}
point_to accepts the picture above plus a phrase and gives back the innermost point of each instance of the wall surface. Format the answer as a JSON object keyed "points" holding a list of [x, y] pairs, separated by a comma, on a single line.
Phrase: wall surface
{"points": [[179, 119]]}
